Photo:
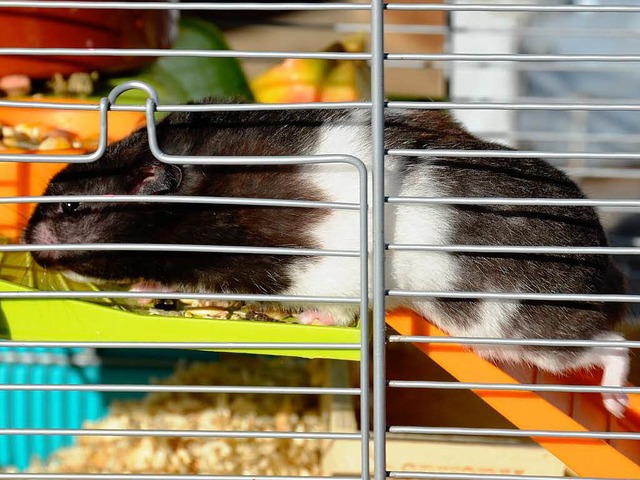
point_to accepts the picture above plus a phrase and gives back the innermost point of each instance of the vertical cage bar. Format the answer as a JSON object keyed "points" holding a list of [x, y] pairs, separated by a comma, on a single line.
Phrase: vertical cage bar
{"points": [[365, 398], [378, 253]]}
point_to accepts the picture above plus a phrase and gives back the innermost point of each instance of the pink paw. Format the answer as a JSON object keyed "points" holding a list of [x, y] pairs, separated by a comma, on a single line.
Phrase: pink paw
{"points": [[146, 286], [616, 403], [315, 317]]}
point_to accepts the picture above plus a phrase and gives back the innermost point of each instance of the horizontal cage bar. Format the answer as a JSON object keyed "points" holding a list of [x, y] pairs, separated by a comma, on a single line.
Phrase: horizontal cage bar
{"points": [[514, 249], [489, 7], [510, 57], [93, 107], [188, 345], [160, 52], [540, 342], [223, 107], [180, 433], [555, 297], [179, 296], [508, 432], [172, 247], [313, 6], [509, 154], [198, 159], [409, 105], [181, 389], [101, 5], [442, 57], [243, 107], [569, 202], [589, 106], [258, 202], [510, 387]]}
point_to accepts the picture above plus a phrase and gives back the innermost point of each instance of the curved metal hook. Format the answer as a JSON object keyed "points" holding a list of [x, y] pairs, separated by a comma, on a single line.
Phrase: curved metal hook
{"points": [[132, 85]]}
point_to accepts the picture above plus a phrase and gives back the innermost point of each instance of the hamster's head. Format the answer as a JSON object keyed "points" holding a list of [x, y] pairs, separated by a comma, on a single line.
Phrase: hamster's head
{"points": [[127, 168]]}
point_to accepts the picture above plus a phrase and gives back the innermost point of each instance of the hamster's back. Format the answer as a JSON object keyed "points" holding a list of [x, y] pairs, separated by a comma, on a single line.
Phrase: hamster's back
{"points": [[498, 225]]}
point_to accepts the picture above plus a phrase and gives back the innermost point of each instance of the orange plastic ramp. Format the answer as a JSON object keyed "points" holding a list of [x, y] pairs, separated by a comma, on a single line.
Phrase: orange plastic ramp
{"points": [[534, 411]]}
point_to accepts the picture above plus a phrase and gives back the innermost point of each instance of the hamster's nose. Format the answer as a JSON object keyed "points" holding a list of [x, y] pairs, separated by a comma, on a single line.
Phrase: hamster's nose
{"points": [[39, 234], [42, 234]]}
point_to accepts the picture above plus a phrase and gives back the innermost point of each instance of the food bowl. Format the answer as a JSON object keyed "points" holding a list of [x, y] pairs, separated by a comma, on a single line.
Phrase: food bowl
{"points": [[81, 28]]}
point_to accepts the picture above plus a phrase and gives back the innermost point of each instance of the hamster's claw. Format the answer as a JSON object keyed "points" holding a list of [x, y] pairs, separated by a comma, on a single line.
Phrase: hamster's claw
{"points": [[316, 317]]}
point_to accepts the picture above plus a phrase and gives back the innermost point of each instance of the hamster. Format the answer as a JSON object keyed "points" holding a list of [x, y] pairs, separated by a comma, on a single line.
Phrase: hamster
{"points": [[128, 167]]}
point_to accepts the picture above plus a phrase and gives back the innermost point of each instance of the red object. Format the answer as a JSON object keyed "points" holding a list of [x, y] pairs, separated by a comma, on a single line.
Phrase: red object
{"points": [[81, 28]]}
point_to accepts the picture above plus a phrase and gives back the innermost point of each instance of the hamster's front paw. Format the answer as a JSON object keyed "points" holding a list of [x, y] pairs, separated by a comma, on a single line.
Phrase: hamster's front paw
{"points": [[148, 286], [316, 317]]}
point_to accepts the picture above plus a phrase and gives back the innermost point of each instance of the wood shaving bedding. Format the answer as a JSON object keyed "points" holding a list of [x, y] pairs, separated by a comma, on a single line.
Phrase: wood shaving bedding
{"points": [[209, 411]]}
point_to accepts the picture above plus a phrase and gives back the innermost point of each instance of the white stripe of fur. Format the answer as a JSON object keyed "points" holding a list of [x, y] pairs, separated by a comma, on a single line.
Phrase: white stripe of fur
{"points": [[421, 224]]}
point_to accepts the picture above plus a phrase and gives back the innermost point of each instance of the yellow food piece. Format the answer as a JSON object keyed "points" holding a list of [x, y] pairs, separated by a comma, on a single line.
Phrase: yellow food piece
{"points": [[7, 131], [207, 313], [35, 131], [293, 80], [39, 137], [315, 80], [346, 82], [54, 143]]}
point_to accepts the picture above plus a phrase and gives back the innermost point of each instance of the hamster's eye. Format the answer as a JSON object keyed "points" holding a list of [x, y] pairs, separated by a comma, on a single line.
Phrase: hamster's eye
{"points": [[69, 207]]}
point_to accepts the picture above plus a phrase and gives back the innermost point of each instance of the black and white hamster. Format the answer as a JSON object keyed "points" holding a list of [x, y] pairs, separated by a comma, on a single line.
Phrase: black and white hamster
{"points": [[128, 167]]}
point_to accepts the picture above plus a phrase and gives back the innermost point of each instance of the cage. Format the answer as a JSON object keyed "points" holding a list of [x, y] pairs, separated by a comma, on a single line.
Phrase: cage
{"points": [[555, 80], [69, 409]]}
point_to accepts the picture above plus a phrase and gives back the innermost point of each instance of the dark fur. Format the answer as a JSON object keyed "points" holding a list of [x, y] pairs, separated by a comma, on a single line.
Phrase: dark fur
{"points": [[122, 170], [125, 165], [561, 226]]}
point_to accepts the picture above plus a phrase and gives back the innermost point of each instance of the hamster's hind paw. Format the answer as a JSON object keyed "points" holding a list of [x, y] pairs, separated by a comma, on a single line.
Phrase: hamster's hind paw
{"points": [[615, 365], [616, 403]]}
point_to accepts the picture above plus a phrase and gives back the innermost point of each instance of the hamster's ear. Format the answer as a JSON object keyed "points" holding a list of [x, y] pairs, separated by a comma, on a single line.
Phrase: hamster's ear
{"points": [[157, 179]]}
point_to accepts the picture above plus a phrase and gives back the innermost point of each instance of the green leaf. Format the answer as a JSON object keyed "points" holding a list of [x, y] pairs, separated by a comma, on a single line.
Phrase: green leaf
{"points": [[181, 79]]}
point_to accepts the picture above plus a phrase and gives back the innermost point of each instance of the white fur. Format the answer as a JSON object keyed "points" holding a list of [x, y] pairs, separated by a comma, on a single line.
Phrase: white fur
{"points": [[335, 276], [492, 317], [420, 224], [404, 224]]}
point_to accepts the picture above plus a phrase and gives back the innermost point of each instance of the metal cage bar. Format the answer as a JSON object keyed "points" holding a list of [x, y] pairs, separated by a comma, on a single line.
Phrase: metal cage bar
{"points": [[362, 300], [378, 59]]}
